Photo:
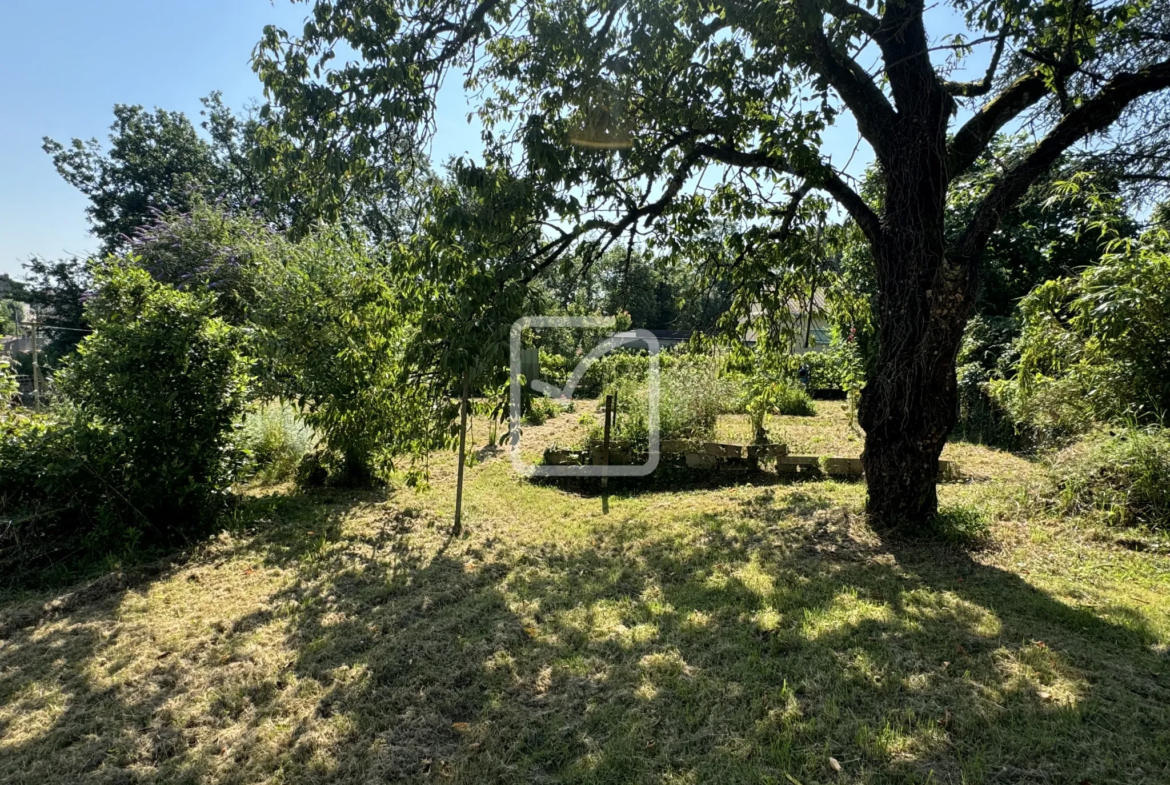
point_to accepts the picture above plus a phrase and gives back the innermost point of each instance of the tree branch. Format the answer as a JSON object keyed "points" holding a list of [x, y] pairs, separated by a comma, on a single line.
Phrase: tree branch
{"points": [[978, 132], [846, 11], [915, 85], [1093, 115], [466, 31], [822, 177], [869, 106], [973, 89]]}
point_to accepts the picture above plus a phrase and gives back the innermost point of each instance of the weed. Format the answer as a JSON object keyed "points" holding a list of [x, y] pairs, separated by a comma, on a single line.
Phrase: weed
{"points": [[961, 525], [276, 440]]}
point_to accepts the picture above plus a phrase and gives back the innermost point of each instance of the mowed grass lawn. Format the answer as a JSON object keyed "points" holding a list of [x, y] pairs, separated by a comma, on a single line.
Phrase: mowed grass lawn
{"points": [[750, 630]]}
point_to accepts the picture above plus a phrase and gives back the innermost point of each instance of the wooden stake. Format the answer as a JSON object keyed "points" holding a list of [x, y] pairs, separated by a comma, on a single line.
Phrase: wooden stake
{"points": [[462, 454], [605, 441]]}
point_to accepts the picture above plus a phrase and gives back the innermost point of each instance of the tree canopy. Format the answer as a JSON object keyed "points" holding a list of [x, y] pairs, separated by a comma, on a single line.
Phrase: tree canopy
{"points": [[158, 162], [665, 117]]}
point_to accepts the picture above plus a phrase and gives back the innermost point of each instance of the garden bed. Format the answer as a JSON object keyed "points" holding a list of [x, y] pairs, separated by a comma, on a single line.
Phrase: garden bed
{"points": [[722, 457], [673, 452]]}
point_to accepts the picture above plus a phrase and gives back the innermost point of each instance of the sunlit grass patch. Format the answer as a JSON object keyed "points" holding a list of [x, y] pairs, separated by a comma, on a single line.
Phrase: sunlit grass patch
{"points": [[735, 633]]}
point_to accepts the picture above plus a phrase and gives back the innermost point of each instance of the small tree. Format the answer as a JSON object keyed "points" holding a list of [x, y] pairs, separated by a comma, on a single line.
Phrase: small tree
{"points": [[331, 334], [156, 389]]}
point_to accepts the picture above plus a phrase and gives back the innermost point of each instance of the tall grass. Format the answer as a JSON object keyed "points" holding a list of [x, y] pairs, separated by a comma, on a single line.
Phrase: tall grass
{"points": [[1122, 477], [691, 396], [275, 439]]}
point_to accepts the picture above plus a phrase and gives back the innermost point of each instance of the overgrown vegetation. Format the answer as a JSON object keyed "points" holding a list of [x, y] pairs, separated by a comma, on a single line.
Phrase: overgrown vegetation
{"points": [[691, 395], [1121, 477], [734, 633], [275, 440], [139, 451], [298, 294], [1094, 346]]}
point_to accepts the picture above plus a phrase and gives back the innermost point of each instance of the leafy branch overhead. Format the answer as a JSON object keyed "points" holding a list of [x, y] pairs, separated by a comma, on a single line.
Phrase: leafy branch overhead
{"points": [[733, 96], [700, 127]]}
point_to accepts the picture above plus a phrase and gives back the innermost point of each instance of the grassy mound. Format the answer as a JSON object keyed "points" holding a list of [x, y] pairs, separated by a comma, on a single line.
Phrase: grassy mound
{"points": [[1123, 477]]}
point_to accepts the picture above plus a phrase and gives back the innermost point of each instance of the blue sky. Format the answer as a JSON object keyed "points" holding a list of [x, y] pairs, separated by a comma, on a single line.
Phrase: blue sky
{"points": [[67, 62]]}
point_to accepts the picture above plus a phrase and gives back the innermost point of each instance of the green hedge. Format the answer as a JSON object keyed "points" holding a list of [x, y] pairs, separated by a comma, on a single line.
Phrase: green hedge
{"points": [[140, 447]]}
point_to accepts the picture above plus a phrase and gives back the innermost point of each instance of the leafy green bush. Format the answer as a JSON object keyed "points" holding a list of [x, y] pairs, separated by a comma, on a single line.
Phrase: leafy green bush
{"points": [[229, 256], [541, 410], [1046, 411], [276, 439], [605, 372], [9, 388], [1094, 348], [140, 449], [164, 378], [773, 396], [841, 367], [332, 335], [329, 327], [1124, 477], [982, 417], [29, 467]]}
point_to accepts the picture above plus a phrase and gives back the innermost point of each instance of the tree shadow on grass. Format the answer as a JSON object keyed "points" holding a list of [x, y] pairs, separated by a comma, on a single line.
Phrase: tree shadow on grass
{"points": [[749, 648]]}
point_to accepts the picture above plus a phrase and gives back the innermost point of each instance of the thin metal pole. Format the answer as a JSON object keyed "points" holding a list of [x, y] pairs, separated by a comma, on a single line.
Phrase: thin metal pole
{"points": [[462, 453], [36, 370]]}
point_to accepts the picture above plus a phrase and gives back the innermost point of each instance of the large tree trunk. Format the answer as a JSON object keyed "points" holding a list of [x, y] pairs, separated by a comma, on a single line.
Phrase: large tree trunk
{"points": [[907, 410], [908, 406]]}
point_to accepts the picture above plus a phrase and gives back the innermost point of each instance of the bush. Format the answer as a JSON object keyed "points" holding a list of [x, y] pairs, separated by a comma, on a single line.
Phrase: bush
{"points": [[982, 418], [606, 372], [331, 334], [1046, 411], [772, 396], [691, 395], [1093, 347], [840, 368], [1123, 477], [37, 467], [229, 256], [9, 388], [540, 410], [140, 449], [275, 440]]}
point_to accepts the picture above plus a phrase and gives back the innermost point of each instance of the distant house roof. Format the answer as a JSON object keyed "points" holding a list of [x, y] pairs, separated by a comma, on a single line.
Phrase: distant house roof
{"points": [[665, 337], [797, 305]]}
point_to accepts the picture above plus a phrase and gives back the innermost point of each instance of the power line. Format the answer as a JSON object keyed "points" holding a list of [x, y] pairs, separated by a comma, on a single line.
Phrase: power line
{"points": [[57, 327]]}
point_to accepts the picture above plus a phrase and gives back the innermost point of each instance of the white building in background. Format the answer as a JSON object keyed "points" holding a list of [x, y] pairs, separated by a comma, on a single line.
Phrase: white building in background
{"points": [[811, 329]]}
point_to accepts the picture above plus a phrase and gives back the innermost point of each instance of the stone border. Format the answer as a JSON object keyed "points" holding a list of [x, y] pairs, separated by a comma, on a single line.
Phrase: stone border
{"points": [[728, 457]]}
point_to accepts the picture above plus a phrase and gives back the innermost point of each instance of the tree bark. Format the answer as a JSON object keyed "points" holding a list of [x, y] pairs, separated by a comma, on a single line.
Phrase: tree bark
{"points": [[908, 404], [908, 407]]}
